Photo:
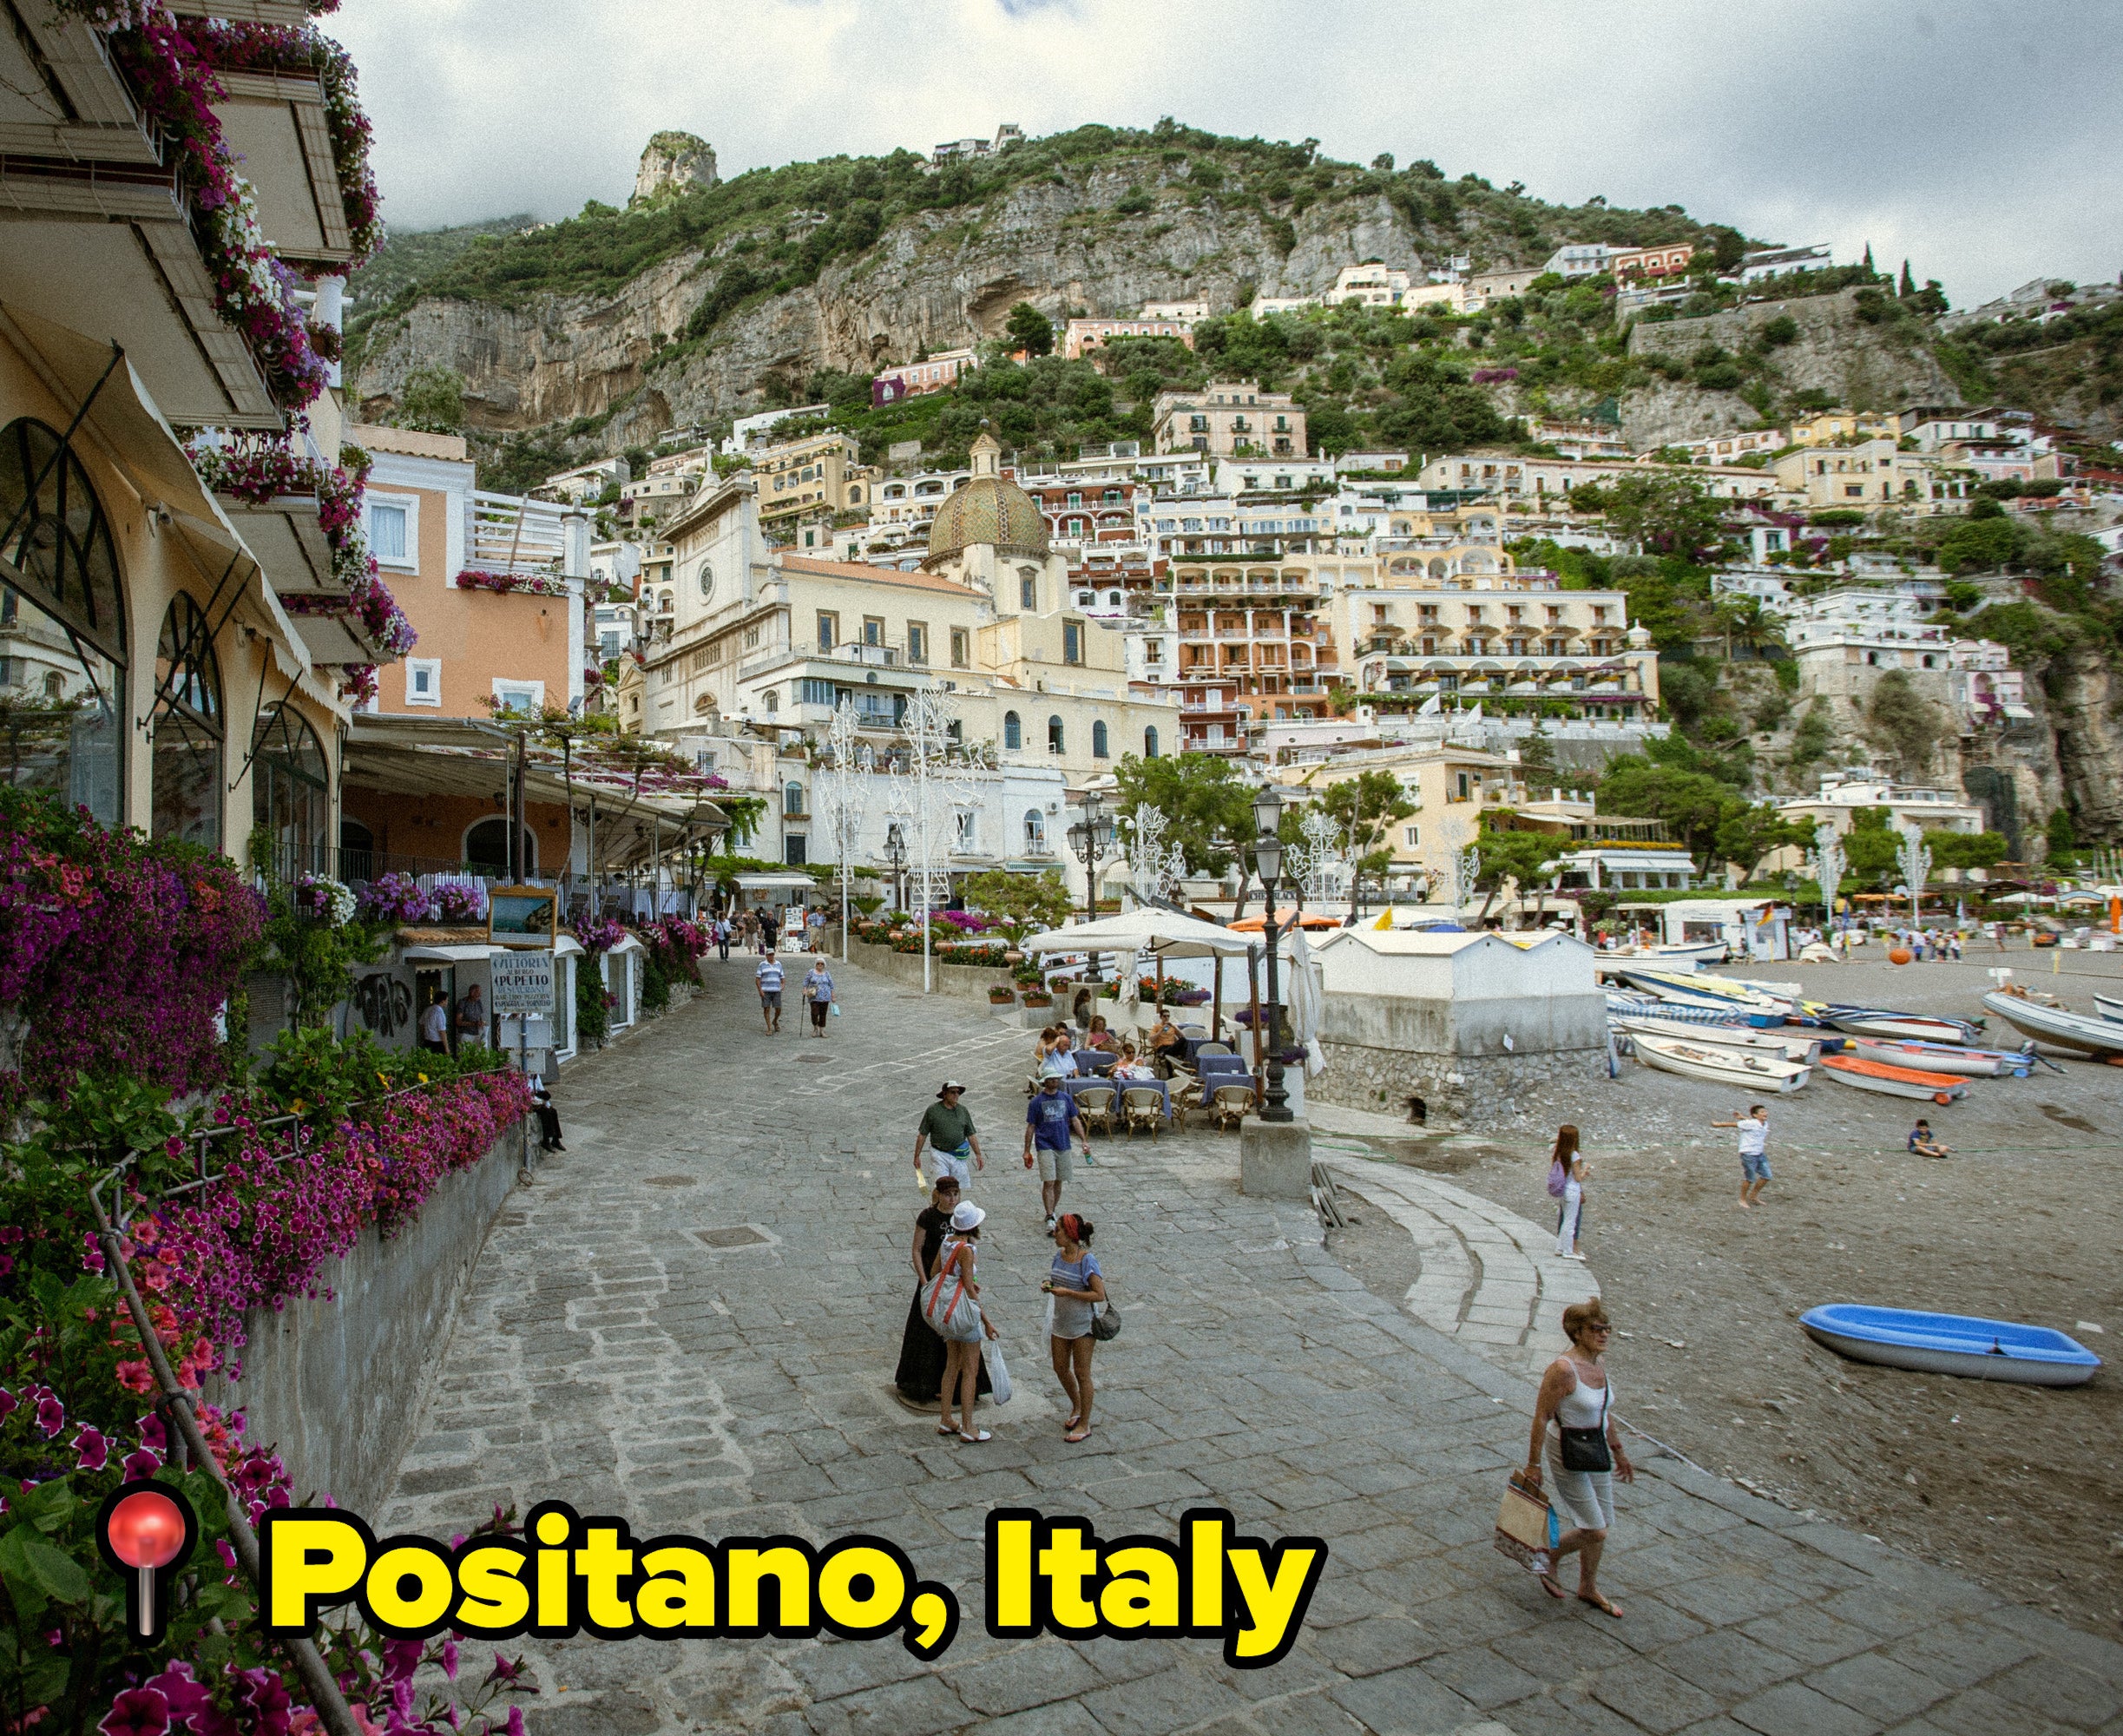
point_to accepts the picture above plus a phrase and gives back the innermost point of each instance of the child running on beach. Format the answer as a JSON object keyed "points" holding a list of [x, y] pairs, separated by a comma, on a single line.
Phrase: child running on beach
{"points": [[1754, 1171]]}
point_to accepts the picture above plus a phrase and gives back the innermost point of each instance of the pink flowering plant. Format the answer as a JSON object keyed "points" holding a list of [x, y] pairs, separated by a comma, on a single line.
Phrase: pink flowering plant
{"points": [[600, 934], [460, 901], [116, 952], [395, 899], [329, 1140], [534, 584], [254, 292], [300, 50]]}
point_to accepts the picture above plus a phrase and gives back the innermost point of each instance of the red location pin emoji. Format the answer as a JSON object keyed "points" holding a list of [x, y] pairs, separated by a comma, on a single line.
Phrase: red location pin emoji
{"points": [[145, 1529]]}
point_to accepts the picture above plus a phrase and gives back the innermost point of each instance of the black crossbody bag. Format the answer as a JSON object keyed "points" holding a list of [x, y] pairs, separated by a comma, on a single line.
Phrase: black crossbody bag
{"points": [[1587, 1449]]}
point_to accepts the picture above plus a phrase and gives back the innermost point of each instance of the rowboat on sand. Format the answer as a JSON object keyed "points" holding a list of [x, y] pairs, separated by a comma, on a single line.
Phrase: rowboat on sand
{"points": [[1901, 1027], [2109, 1007], [1952, 1343], [1893, 1081], [2101, 1038], [1720, 1066], [1944, 1057], [1803, 1049]]}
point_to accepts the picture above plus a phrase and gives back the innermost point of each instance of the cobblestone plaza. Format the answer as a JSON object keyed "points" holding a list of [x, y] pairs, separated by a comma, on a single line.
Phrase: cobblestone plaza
{"points": [[691, 1320]]}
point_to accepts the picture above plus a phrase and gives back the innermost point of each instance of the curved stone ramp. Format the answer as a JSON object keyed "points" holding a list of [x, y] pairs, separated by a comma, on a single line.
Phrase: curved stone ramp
{"points": [[1491, 1279]]}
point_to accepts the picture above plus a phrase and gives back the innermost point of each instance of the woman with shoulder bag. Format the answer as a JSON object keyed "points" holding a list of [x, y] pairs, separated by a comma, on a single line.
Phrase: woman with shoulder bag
{"points": [[952, 1307], [1078, 1289], [1578, 1444]]}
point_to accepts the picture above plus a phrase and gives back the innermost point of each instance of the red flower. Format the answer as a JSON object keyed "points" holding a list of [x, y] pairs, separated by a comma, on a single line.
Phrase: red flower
{"points": [[135, 1377]]}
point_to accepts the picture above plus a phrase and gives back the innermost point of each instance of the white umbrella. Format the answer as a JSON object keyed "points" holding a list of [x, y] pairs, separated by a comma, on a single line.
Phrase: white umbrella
{"points": [[1304, 999], [1144, 929]]}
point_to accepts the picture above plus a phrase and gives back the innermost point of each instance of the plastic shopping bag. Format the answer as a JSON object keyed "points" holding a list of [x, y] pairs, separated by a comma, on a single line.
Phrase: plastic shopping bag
{"points": [[835, 1009], [998, 1372]]}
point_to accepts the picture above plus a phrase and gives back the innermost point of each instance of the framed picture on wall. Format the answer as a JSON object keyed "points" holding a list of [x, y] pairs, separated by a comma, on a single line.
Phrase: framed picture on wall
{"points": [[522, 916]]}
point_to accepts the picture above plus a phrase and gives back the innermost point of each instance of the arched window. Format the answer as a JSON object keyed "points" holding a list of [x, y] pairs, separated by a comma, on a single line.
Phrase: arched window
{"points": [[1012, 730], [1053, 735], [357, 850], [291, 791], [1036, 832], [63, 615], [1149, 742], [486, 848], [1098, 740], [792, 799], [1029, 588], [188, 726]]}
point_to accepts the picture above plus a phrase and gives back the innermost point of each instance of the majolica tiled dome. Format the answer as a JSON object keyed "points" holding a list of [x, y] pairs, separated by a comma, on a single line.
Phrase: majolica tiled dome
{"points": [[990, 510]]}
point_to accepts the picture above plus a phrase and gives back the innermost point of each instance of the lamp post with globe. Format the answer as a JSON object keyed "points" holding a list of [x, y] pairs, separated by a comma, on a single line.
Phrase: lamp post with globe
{"points": [[1092, 839]]}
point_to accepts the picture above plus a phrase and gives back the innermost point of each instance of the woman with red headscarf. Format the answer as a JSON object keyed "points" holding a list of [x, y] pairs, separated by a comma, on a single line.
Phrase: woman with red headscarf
{"points": [[1078, 1291]]}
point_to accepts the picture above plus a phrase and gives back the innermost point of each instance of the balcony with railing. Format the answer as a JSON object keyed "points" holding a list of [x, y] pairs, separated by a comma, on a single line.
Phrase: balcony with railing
{"points": [[512, 536]]}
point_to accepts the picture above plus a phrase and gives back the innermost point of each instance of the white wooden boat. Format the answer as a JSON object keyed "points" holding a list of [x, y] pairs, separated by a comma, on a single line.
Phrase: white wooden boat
{"points": [[1686, 991], [2109, 1007], [1804, 1049], [1720, 1066], [1941, 1057], [2101, 1038], [1891, 1080]]}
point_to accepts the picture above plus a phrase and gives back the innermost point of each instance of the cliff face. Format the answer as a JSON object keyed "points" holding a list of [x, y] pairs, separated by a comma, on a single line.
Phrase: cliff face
{"points": [[934, 280], [1864, 366]]}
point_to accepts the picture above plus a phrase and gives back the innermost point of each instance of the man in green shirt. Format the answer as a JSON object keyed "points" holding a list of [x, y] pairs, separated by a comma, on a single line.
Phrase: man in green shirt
{"points": [[948, 1131]]}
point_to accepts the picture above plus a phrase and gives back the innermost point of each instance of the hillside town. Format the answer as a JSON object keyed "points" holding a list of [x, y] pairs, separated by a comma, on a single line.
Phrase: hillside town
{"points": [[1383, 761]]}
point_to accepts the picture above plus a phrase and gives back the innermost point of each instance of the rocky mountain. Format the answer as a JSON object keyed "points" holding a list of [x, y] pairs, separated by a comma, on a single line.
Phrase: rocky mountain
{"points": [[716, 298]]}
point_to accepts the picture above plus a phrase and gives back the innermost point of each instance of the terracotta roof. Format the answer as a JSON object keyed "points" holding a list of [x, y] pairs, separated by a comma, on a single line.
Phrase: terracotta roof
{"points": [[889, 575]]}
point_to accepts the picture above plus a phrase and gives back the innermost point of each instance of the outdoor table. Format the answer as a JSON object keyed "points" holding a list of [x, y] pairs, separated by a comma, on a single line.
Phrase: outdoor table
{"points": [[1073, 1086], [1097, 1060], [1213, 1067]]}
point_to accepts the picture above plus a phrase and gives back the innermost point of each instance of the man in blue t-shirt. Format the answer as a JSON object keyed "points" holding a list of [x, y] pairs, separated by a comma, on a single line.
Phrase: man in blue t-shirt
{"points": [[1050, 1118]]}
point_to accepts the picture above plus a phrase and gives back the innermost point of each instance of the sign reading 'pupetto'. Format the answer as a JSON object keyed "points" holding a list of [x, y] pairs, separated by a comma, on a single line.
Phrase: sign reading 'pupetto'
{"points": [[567, 1574]]}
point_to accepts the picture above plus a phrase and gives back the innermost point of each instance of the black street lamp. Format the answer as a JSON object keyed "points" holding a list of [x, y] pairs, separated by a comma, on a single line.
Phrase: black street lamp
{"points": [[895, 852], [1091, 837], [1268, 864]]}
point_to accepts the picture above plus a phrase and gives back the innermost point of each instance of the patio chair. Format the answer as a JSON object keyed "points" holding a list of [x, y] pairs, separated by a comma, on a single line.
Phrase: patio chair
{"points": [[1214, 1048], [1097, 1103], [1231, 1104], [1142, 1107]]}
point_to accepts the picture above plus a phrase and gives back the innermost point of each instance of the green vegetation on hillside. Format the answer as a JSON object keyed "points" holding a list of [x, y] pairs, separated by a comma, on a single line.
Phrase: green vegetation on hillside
{"points": [[770, 230]]}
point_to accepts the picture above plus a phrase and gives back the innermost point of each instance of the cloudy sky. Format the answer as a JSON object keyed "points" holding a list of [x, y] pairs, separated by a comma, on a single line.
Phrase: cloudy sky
{"points": [[1977, 139]]}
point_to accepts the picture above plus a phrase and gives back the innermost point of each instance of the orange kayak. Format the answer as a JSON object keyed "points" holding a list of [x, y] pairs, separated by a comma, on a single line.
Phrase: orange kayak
{"points": [[1894, 1082]]}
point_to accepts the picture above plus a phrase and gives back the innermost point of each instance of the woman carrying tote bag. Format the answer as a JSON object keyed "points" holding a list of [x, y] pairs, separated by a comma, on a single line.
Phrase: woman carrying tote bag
{"points": [[952, 1305]]}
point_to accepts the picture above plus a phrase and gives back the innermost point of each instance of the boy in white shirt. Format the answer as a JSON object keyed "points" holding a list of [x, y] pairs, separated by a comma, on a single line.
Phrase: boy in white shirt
{"points": [[1754, 1171]]}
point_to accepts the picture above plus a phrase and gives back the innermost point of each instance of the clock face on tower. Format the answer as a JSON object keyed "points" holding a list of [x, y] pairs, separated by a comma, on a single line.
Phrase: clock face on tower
{"points": [[707, 580]]}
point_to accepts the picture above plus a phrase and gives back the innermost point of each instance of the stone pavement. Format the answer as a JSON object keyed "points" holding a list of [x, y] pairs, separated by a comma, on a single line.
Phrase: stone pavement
{"points": [[692, 1319], [1490, 1278]]}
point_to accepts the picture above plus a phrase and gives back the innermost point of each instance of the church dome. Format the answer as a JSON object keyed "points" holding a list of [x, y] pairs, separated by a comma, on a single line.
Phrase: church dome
{"points": [[988, 510], [991, 511]]}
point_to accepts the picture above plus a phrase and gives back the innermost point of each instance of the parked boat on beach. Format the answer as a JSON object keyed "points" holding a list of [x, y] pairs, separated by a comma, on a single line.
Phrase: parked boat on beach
{"points": [[1804, 1049], [1874, 1021], [1893, 1081], [1685, 991], [1944, 1057], [1720, 1066], [1952, 1343], [2101, 1038], [2109, 1007]]}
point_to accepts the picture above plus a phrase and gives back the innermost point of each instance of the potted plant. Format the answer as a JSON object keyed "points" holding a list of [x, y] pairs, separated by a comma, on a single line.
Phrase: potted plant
{"points": [[1038, 997], [1000, 994]]}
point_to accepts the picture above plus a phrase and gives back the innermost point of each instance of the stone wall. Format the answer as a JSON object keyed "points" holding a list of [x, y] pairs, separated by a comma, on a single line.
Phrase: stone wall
{"points": [[961, 982], [334, 1382], [1458, 1091], [1381, 1051]]}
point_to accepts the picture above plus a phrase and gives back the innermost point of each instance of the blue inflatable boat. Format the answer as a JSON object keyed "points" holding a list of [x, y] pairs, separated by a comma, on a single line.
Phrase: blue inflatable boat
{"points": [[1952, 1343]]}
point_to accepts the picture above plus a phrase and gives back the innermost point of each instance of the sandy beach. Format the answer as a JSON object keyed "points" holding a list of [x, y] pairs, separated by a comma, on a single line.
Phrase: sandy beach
{"points": [[2017, 1486]]}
